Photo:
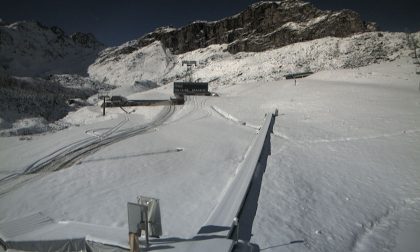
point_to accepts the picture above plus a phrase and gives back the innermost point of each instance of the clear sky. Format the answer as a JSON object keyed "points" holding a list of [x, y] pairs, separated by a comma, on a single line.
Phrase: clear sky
{"points": [[115, 22]]}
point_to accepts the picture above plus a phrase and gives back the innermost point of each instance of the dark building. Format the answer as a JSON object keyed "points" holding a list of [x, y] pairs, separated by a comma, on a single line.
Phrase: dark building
{"points": [[191, 88]]}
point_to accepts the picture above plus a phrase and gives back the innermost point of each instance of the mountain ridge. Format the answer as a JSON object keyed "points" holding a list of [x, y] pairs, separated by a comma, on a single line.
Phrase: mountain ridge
{"points": [[262, 26], [29, 48]]}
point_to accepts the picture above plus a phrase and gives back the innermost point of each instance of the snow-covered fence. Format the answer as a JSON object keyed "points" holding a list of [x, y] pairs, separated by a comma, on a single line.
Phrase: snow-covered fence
{"points": [[221, 221]]}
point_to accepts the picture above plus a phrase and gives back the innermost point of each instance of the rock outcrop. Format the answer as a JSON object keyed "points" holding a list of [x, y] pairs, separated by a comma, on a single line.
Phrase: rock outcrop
{"points": [[87, 40], [262, 26]]}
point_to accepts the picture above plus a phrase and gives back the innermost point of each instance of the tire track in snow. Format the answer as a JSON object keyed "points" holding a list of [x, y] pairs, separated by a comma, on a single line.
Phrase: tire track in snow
{"points": [[202, 106], [185, 110], [192, 108], [76, 151], [109, 131]]}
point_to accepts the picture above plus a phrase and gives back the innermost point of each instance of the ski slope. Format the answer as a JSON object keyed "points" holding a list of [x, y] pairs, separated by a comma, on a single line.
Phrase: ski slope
{"points": [[343, 173]]}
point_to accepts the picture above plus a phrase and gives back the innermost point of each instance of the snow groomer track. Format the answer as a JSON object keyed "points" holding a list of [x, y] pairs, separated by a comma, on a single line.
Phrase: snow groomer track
{"points": [[72, 153]]}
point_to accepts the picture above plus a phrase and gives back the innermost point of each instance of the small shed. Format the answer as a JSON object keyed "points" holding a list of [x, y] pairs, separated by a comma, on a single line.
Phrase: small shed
{"points": [[297, 75]]}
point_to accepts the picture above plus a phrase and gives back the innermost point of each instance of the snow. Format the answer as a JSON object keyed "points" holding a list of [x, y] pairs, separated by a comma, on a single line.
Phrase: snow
{"points": [[33, 105], [343, 174], [122, 171], [286, 4], [31, 49], [343, 171], [79, 82], [144, 64], [301, 26], [219, 67], [93, 114], [26, 126]]}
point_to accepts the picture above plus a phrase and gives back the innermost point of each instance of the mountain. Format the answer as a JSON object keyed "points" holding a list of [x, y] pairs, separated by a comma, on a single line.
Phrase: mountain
{"points": [[40, 70], [263, 43], [218, 66], [28, 48], [262, 26]]}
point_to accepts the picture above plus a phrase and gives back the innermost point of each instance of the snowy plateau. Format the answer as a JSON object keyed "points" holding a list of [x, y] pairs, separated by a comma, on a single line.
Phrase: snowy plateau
{"points": [[342, 174]]}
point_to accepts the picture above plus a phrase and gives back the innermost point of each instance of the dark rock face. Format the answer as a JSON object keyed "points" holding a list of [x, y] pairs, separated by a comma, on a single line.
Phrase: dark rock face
{"points": [[85, 39], [260, 27]]}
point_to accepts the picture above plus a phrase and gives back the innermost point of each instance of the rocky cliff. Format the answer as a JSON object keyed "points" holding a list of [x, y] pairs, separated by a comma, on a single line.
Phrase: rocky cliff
{"points": [[262, 26]]}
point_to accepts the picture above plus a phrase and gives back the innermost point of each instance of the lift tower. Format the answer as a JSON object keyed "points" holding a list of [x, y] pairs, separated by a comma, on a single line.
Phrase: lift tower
{"points": [[190, 64]]}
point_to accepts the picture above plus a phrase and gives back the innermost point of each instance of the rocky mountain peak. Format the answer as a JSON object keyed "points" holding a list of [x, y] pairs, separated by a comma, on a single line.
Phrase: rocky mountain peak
{"points": [[85, 39], [30, 48], [262, 26]]}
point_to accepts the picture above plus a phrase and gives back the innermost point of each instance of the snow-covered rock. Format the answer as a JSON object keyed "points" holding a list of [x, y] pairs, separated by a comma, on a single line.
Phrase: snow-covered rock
{"points": [[219, 67], [79, 82], [31, 49], [26, 97], [148, 64], [262, 26]]}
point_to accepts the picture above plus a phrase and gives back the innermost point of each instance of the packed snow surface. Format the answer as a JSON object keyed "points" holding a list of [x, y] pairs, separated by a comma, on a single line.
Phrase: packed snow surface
{"points": [[343, 173]]}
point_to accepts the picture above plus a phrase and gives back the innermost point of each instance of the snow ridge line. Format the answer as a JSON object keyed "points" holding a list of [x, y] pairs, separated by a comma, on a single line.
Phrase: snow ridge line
{"points": [[348, 139], [230, 117], [225, 115], [366, 230]]}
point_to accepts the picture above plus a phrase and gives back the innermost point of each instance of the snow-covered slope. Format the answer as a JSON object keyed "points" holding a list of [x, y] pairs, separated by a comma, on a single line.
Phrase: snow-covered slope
{"points": [[343, 171], [31, 49], [219, 67], [342, 175], [149, 63]]}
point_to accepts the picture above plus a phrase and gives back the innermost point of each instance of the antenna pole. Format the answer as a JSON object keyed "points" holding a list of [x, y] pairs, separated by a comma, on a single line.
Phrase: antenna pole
{"points": [[103, 113]]}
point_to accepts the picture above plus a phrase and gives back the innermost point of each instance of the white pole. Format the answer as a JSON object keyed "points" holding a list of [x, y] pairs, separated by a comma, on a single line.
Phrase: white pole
{"points": [[147, 225]]}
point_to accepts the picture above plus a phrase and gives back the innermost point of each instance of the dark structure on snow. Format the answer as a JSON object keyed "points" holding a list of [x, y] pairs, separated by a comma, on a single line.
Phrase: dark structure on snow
{"points": [[297, 75], [191, 88]]}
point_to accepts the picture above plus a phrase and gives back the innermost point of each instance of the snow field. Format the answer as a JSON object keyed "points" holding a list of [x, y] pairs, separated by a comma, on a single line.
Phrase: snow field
{"points": [[188, 183], [343, 174]]}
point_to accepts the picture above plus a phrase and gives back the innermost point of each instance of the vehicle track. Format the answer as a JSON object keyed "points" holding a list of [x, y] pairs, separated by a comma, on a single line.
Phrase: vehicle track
{"points": [[74, 152], [193, 105]]}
